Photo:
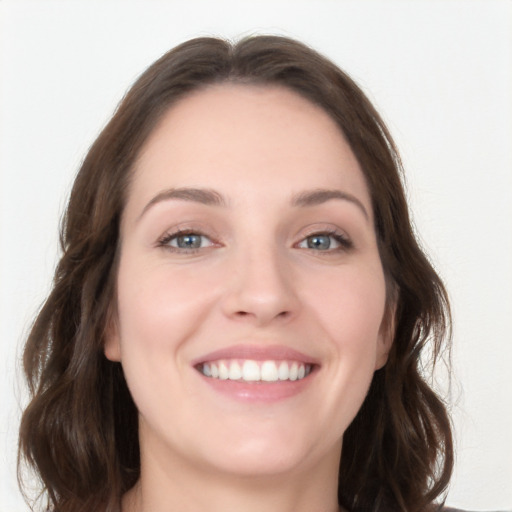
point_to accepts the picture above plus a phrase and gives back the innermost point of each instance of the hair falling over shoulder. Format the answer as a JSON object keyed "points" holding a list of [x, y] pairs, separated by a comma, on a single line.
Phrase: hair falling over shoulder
{"points": [[79, 432]]}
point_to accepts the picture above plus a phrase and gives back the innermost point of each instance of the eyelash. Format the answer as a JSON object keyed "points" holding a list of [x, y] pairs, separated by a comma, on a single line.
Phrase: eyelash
{"points": [[345, 244], [341, 238], [164, 242]]}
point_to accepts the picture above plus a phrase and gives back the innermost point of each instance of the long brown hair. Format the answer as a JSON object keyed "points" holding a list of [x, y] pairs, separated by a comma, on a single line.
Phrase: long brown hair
{"points": [[79, 431]]}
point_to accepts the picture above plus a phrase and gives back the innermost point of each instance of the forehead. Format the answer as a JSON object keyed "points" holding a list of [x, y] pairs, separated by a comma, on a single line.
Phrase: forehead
{"points": [[240, 138]]}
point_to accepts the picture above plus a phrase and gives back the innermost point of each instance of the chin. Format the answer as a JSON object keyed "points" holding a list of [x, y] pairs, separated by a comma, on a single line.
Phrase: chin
{"points": [[264, 454], [260, 465]]}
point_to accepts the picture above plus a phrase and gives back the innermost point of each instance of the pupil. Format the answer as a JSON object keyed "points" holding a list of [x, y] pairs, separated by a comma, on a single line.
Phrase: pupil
{"points": [[319, 242], [189, 241]]}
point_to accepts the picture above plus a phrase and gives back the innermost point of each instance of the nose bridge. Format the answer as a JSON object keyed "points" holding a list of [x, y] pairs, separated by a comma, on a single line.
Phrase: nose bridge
{"points": [[261, 286]]}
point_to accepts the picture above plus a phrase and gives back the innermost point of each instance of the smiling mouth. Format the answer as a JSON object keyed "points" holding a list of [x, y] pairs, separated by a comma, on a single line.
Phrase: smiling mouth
{"points": [[249, 370]]}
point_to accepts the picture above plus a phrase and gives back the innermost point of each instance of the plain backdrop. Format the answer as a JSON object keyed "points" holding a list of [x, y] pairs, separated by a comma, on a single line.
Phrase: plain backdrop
{"points": [[440, 72]]}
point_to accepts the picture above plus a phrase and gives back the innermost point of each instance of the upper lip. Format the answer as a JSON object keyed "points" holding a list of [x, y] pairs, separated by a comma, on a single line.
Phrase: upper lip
{"points": [[257, 353]]}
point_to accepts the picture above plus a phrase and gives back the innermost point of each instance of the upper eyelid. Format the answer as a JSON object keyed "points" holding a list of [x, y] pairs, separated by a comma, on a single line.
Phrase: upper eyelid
{"points": [[322, 229], [171, 234], [340, 238], [189, 227]]}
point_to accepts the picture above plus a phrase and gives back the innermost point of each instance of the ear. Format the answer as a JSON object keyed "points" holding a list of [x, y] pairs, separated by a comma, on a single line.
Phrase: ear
{"points": [[386, 335], [111, 343]]}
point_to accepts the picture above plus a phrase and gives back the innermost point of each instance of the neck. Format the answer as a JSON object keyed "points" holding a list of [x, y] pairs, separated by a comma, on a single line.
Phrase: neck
{"points": [[167, 487]]}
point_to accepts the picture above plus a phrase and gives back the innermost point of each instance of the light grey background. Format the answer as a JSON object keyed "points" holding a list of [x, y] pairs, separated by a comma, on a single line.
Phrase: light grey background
{"points": [[439, 71]]}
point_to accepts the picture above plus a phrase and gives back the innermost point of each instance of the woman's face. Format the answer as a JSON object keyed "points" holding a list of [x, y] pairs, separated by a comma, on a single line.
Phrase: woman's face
{"points": [[250, 290]]}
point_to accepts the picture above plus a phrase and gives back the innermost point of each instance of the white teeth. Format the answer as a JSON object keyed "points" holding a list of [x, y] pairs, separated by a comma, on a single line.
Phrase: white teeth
{"points": [[235, 372], [251, 371], [255, 371], [294, 370], [269, 371], [223, 371], [284, 371]]}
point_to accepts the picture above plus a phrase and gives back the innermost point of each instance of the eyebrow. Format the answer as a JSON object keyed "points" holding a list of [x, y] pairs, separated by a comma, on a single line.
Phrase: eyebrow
{"points": [[204, 196], [210, 197], [320, 196]]}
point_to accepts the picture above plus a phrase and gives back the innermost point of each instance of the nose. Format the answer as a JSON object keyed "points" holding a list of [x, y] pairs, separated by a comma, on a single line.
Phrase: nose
{"points": [[260, 289]]}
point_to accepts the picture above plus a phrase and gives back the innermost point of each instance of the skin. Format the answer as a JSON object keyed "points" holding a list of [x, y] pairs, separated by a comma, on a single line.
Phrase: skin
{"points": [[253, 281]]}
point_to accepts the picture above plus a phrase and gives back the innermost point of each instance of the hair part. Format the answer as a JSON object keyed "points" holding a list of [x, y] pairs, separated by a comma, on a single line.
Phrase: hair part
{"points": [[80, 429]]}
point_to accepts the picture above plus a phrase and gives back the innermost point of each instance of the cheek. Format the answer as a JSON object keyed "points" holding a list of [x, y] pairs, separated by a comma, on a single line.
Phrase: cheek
{"points": [[350, 316], [158, 313], [161, 308], [351, 308], [150, 296]]}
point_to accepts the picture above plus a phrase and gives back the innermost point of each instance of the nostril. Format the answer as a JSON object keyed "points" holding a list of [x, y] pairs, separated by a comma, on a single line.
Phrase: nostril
{"points": [[282, 314]]}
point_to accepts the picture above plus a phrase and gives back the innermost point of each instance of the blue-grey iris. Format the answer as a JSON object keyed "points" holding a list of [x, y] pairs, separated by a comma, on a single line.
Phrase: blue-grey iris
{"points": [[189, 241], [322, 242]]}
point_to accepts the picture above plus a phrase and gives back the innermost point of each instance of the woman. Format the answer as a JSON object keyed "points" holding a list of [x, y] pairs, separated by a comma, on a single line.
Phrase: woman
{"points": [[240, 308]]}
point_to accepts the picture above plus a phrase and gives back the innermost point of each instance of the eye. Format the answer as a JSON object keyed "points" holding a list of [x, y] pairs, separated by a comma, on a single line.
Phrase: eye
{"points": [[185, 241], [325, 242]]}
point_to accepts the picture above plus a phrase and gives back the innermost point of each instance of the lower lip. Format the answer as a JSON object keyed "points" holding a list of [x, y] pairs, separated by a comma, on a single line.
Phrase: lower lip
{"points": [[264, 392]]}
